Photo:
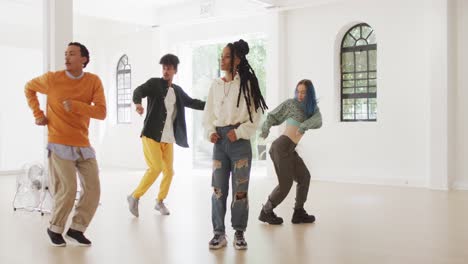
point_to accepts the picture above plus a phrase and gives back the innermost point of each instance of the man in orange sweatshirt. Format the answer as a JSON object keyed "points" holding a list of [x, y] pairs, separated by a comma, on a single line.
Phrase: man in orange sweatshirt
{"points": [[73, 97]]}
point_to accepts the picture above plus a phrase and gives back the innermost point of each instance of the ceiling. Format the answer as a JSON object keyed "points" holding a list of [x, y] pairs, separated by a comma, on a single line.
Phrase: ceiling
{"points": [[145, 12]]}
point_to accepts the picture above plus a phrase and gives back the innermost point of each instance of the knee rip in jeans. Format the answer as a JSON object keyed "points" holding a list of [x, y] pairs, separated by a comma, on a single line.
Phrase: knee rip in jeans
{"points": [[243, 163], [217, 164], [240, 197], [217, 193]]}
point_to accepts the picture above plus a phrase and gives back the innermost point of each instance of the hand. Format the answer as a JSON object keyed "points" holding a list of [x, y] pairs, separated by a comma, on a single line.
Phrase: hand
{"points": [[42, 121], [67, 104], [232, 135], [139, 109], [214, 138]]}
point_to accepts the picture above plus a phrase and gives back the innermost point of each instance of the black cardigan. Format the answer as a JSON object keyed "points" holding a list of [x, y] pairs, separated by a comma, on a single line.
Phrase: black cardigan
{"points": [[155, 89]]}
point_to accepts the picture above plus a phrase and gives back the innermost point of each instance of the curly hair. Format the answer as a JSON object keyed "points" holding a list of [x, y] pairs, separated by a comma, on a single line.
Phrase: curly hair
{"points": [[169, 59], [83, 51]]}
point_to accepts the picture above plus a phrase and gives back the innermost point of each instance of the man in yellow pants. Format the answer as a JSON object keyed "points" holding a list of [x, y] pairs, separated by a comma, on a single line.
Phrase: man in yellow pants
{"points": [[164, 124]]}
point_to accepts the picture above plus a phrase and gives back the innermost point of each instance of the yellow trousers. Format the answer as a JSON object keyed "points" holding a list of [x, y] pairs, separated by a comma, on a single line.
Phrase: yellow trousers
{"points": [[159, 157]]}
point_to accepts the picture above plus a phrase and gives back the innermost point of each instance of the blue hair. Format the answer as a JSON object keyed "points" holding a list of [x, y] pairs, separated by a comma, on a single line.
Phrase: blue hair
{"points": [[310, 102]]}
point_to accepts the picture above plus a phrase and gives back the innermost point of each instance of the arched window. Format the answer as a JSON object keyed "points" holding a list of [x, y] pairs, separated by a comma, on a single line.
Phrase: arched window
{"points": [[359, 74], [124, 91]]}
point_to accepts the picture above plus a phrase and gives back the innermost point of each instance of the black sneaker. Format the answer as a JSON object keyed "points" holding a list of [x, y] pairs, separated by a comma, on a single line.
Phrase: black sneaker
{"points": [[239, 240], [217, 242], [301, 216], [56, 239], [270, 218], [78, 238]]}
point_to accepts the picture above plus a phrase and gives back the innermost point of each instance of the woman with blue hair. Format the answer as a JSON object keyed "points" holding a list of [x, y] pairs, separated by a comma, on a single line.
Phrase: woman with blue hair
{"points": [[300, 114]]}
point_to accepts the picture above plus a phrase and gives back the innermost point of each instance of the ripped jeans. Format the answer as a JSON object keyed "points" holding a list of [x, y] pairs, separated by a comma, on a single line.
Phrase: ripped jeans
{"points": [[230, 158]]}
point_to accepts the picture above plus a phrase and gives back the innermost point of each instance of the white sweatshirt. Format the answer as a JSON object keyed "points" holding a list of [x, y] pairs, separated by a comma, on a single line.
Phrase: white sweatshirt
{"points": [[221, 109]]}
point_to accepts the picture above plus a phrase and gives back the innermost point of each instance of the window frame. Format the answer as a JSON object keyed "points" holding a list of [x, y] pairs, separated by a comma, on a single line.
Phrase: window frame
{"points": [[125, 70], [365, 95]]}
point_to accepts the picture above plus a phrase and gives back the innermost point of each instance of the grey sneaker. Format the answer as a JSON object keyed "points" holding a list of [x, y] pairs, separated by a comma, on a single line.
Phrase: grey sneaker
{"points": [[217, 242], [239, 240], [161, 207], [133, 205]]}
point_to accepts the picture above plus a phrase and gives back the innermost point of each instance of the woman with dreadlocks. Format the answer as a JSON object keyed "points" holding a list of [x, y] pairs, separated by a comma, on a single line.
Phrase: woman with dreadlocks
{"points": [[300, 114], [231, 116]]}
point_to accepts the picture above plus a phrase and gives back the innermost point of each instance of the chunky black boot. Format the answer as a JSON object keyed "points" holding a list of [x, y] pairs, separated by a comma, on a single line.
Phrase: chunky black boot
{"points": [[270, 218], [301, 216]]}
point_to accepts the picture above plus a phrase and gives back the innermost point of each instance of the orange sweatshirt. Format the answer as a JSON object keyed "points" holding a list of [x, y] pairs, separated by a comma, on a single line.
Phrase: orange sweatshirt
{"points": [[87, 101]]}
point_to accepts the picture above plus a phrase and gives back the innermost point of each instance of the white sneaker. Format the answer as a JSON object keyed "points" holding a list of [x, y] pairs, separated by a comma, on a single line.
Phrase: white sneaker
{"points": [[161, 207], [133, 205]]}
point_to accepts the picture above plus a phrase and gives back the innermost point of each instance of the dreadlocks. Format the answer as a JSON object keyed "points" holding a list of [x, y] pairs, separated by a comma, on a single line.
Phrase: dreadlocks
{"points": [[247, 75]]}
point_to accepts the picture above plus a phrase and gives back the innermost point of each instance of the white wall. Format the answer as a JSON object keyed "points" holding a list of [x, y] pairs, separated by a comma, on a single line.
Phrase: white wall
{"points": [[461, 108], [393, 150], [118, 145], [21, 141]]}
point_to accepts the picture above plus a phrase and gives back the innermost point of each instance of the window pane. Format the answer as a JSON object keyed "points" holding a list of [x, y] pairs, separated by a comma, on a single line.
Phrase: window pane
{"points": [[362, 75], [127, 114], [366, 31], [348, 62], [348, 91], [372, 108], [372, 89], [373, 82], [361, 90], [361, 61], [372, 60], [348, 83], [348, 109], [372, 39], [361, 42], [348, 76], [120, 114], [356, 32], [361, 83], [348, 106], [361, 108], [349, 41], [372, 75]]}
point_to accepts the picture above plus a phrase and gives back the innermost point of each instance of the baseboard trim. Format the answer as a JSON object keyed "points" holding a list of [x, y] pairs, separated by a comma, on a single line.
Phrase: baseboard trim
{"points": [[11, 172], [397, 182], [460, 185]]}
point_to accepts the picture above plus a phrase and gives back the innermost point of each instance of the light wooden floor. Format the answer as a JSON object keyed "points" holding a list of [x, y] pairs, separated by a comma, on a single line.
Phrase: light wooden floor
{"points": [[355, 224]]}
